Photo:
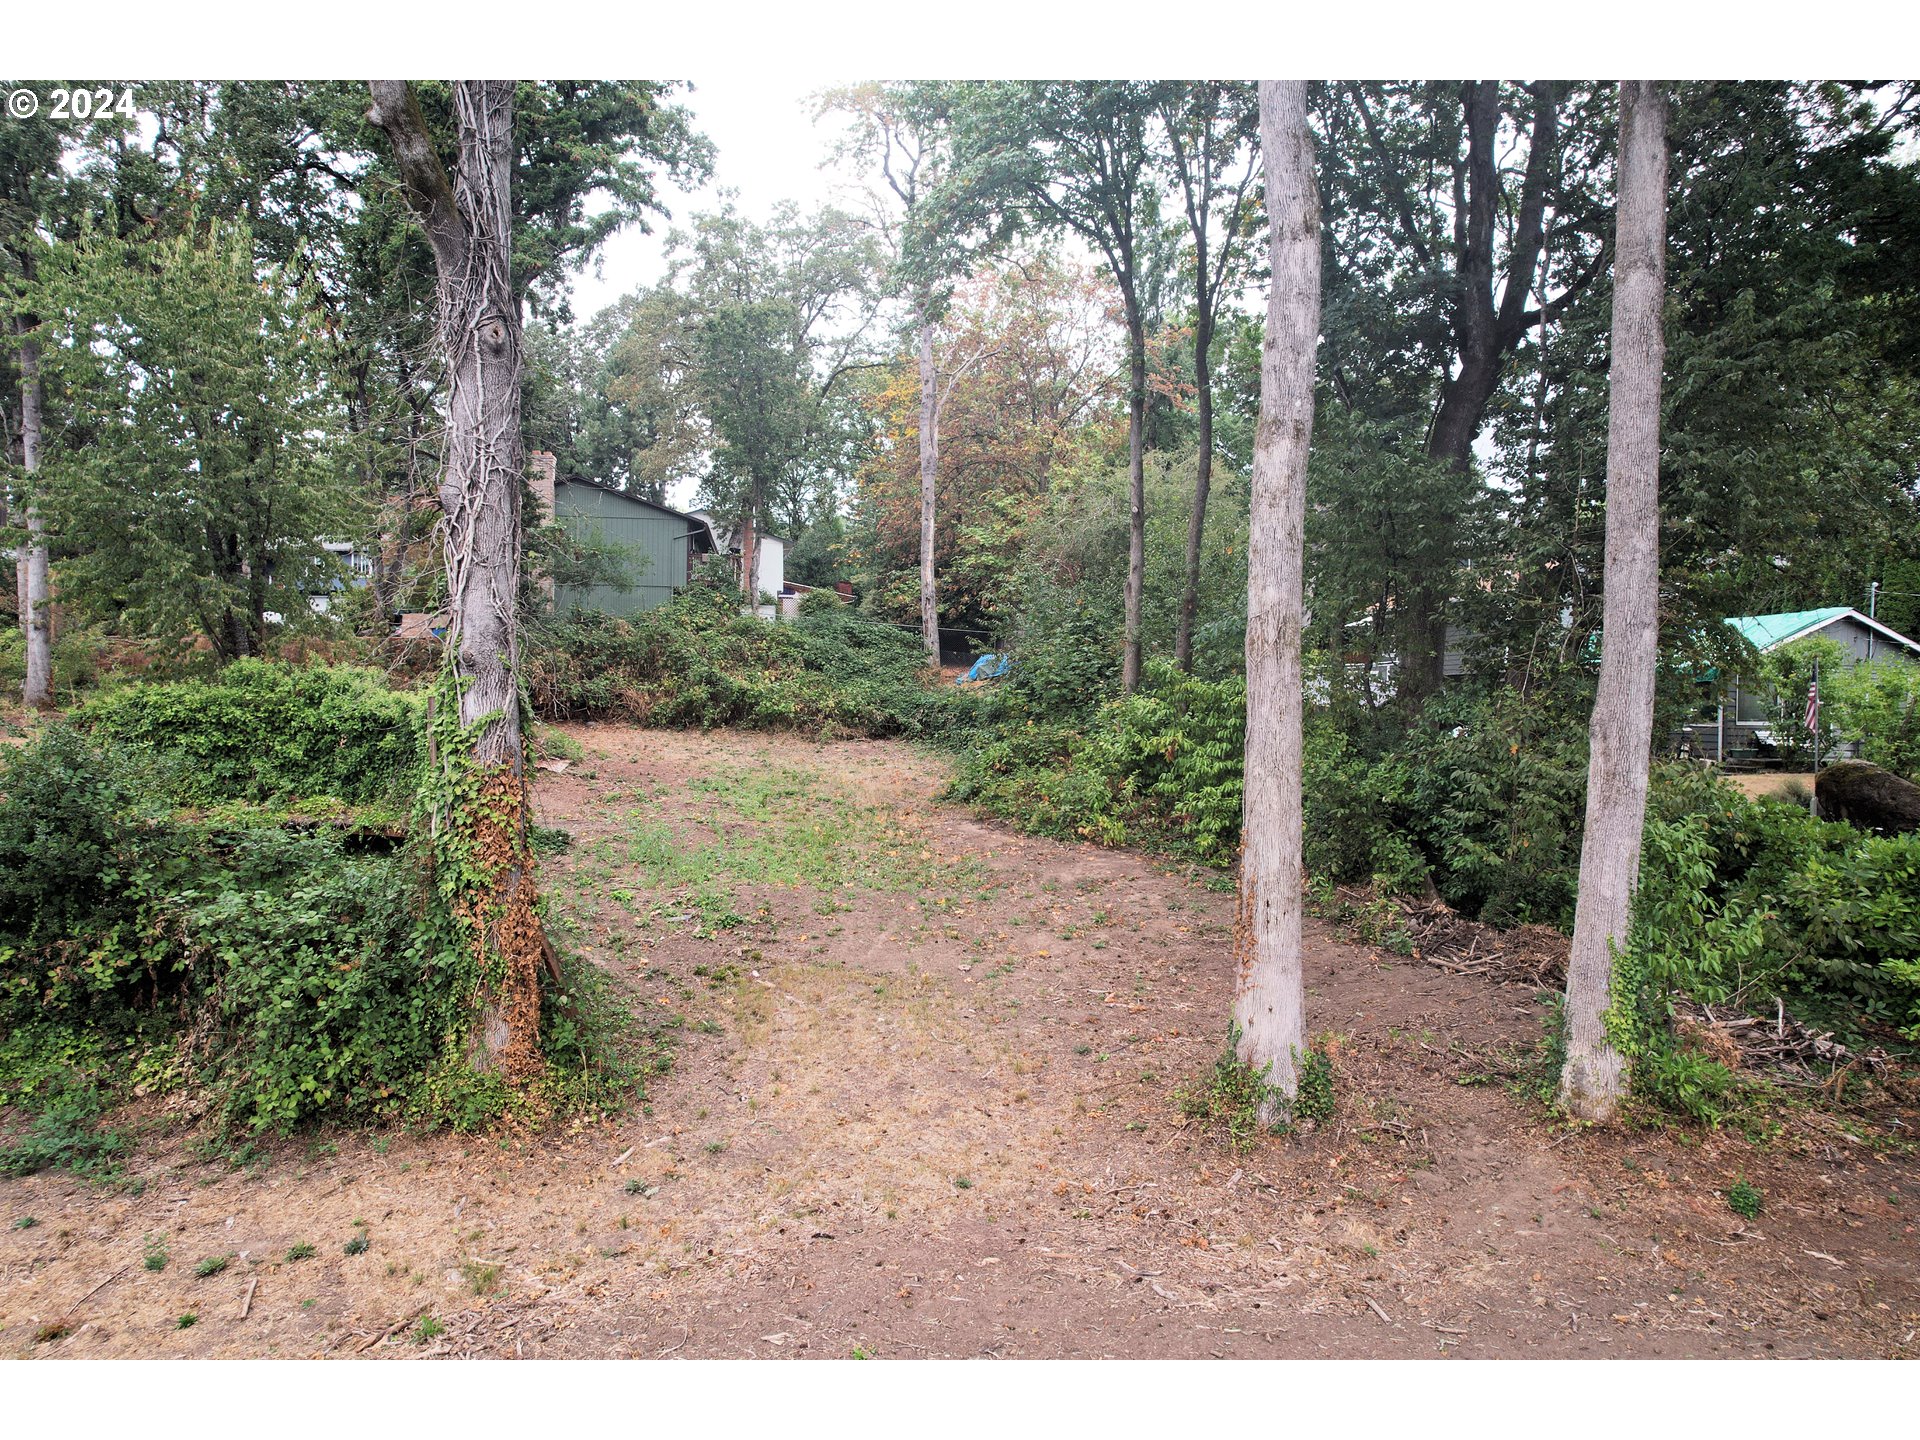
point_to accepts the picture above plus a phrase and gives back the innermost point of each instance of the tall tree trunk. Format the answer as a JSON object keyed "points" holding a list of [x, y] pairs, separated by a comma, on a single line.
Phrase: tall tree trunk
{"points": [[1485, 333], [395, 516], [36, 615], [1202, 484], [1136, 494], [470, 225], [929, 492], [1622, 735], [1269, 1002], [749, 547]]}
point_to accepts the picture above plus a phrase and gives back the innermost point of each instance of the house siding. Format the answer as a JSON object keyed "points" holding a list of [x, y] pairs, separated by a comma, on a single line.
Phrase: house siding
{"points": [[654, 540]]}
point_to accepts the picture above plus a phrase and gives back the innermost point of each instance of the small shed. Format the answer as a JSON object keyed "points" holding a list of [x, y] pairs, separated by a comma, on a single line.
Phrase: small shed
{"points": [[659, 545]]}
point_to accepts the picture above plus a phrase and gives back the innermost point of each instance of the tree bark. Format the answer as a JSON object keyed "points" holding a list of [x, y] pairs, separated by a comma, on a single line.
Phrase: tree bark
{"points": [[36, 616], [469, 224], [1269, 1002], [929, 492], [1197, 169], [1136, 494], [1202, 485], [749, 546], [1485, 334], [1595, 1076]]}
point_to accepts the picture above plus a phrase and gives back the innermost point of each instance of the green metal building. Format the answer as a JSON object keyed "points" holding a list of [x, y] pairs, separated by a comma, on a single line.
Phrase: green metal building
{"points": [[660, 546]]}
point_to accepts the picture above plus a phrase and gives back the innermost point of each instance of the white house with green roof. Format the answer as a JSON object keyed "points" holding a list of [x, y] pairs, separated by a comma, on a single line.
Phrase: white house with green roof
{"points": [[1861, 636], [1746, 716]]}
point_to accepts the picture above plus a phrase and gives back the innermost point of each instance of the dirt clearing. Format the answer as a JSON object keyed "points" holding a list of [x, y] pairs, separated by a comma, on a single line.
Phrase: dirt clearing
{"points": [[922, 1104]]}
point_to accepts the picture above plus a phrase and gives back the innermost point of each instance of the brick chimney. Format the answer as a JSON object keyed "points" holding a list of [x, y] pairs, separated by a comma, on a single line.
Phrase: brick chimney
{"points": [[542, 471]]}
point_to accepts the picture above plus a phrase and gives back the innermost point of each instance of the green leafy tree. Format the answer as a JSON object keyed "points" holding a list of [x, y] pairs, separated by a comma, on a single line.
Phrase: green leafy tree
{"points": [[1459, 216], [317, 184], [189, 480], [1788, 469], [1076, 158], [1212, 134], [34, 190], [1879, 706], [616, 399], [781, 316]]}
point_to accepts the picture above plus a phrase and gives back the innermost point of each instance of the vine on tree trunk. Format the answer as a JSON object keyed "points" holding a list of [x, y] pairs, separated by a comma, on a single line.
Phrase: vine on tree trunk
{"points": [[482, 865]]}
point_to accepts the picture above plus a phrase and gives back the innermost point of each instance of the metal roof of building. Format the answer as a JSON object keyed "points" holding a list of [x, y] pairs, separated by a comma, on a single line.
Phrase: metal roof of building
{"points": [[1764, 632]]}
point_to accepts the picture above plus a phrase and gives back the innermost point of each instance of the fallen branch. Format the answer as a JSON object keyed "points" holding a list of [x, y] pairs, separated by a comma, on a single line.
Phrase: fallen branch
{"points": [[395, 1328], [96, 1290]]}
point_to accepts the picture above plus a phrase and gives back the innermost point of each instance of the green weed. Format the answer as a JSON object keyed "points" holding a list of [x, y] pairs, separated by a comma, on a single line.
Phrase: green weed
{"points": [[482, 1276], [1233, 1095]]}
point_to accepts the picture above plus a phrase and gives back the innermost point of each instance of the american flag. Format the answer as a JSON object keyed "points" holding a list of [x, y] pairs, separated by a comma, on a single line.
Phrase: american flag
{"points": [[1813, 704]]}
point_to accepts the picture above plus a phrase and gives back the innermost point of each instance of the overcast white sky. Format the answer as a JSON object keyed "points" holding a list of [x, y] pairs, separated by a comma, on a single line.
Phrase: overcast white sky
{"points": [[768, 149]]}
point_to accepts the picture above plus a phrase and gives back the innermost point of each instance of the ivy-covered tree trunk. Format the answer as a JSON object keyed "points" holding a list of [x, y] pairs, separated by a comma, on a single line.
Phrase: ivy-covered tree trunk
{"points": [[929, 492], [36, 586], [1269, 1001], [1595, 1076], [484, 832]]}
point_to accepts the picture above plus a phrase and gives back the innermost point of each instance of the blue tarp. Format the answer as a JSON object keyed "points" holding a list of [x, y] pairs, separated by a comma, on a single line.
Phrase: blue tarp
{"points": [[987, 667]]}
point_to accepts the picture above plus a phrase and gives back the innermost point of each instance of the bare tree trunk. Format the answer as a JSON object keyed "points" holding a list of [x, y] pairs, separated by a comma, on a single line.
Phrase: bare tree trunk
{"points": [[470, 225], [35, 598], [1136, 498], [929, 492], [749, 545], [1202, 484], [1622, 736], [1269, 1002]]}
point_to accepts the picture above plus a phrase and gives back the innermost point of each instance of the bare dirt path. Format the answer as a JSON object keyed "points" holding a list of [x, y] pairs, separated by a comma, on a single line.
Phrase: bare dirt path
{"points": [[922, 1105]]}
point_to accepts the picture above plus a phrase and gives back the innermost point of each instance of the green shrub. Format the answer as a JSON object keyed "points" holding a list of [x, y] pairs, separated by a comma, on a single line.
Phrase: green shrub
{"points": [[697, 662], [1684, 937], [1687, 1085], [289, 971], [1179, 744], [1353, 828], [265, 731], [329, 991], [1849, 919], [1066, 656], [65, 1135], [73, 816], [1878, 705], [1492, 789], [1164, 763], [1740, 902], [1744, 1199], [1041, 777]]}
